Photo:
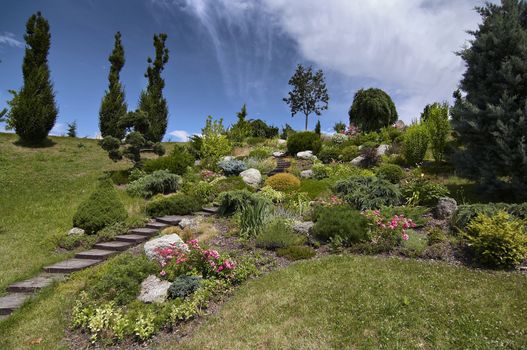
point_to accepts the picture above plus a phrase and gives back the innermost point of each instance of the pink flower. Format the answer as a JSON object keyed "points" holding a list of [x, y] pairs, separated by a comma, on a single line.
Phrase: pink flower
{"points": [[229, 265], [163, 273], [405, 236]]}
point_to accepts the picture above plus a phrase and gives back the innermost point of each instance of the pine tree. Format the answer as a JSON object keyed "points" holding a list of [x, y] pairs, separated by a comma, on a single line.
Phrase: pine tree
{"points": [[72, 129], [151, 101], [317, 128], [113, 105], [491, 119], [32, 110]]}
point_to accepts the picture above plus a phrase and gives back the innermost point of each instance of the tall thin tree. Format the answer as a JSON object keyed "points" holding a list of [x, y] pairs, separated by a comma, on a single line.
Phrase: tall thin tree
{"points": [[32, 110], [151, 101], [113, 106]]}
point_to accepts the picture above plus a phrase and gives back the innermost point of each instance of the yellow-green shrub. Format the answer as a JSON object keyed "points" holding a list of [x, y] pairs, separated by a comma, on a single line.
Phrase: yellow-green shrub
{"points": [[283, 182]]}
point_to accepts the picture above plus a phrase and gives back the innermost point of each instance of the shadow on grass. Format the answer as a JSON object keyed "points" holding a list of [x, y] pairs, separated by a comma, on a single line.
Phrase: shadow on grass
{"points": [[469, 193], [44, 144]]}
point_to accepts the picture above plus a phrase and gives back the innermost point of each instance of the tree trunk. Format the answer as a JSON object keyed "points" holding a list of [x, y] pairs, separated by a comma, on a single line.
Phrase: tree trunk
{"points": [[306, 123]]}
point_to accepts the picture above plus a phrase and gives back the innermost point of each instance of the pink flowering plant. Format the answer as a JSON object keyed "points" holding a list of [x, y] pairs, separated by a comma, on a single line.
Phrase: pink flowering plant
{"points": [[192, 259], [389, 230]]}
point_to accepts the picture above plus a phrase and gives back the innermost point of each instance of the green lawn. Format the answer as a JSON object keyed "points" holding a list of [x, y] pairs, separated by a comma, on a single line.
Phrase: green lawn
{"points": [[40, 189], [358, 302]]}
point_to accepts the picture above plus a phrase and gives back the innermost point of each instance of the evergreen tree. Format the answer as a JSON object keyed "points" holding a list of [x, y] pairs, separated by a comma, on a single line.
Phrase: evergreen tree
{"points": [[72, 129], [317, 128], [435, 118], [32, 110], [372, 109], [339, 127], [242, 128], [113, 105], [309, 93], [491, 119], [152, 102]]}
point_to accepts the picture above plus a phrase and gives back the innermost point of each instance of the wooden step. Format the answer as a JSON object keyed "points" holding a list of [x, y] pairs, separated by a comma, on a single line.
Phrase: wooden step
{"points": [[95, 254], [71, 265], [12, 301], [172, 220], [156, 225], [132, 238], [35, 283], [113, 246], [144, 231]]}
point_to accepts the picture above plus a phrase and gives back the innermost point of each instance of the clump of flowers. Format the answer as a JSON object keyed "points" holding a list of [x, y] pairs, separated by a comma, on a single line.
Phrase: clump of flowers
{"points": [[352, 130], [332, 200], [396, 226], [208, 175], [192, 259]]}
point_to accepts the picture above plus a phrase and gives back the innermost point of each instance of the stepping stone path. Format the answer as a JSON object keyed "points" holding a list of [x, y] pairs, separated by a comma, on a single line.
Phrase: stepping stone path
{"points": [[18, 293], [281, 167]]}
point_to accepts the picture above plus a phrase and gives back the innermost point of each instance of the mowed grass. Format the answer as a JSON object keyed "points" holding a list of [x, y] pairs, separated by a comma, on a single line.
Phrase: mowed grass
{"points": [[360, 302], [40, 189]]}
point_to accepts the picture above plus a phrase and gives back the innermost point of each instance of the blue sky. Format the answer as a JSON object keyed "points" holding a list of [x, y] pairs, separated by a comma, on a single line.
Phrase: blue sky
{"points": [[224, 53]]}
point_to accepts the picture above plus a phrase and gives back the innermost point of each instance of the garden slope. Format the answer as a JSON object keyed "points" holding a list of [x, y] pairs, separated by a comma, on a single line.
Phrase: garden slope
{"points": [[40, 189], [360, 302]]}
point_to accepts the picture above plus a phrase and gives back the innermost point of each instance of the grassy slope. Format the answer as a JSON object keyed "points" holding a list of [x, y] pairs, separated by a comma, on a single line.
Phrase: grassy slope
{"points": [[371, 303], [40, 189]]}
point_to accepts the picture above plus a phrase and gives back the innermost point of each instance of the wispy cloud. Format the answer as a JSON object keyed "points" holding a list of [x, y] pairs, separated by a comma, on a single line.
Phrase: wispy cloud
{"points": [[58, 130], [7, 38], [180, 135]]}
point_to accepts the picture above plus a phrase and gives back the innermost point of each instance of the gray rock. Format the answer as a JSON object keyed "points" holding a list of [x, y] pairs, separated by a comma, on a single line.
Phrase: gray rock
{"points": [[228, 158], [306, 155], [278, 154], [251, 177], [190, 222], [399, 125], [382, 149], [357, 161], [153, 290], [281, 142], [303, 227], [197, 162], [306, 174], [446, 208], [167, 241], [75, 231]]}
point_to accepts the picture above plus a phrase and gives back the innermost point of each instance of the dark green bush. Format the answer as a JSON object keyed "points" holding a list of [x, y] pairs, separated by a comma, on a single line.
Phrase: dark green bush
{"points": [[253, 141], [160, 181], [184, 286], [278, 233], [304, 141], [119, 280], [465, 213], [390, 172], [101, 209], [177, 162], [350, 225], [368, 192], [372, 109], [329, 154], [232, 201], [296, 252], [176, 204], [349, 153], [415, 143], [260, 129]]}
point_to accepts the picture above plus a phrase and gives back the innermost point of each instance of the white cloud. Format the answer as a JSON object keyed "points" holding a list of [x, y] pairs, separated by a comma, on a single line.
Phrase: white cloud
{"points": [[58, 130], [180, 135], [10, 39]]}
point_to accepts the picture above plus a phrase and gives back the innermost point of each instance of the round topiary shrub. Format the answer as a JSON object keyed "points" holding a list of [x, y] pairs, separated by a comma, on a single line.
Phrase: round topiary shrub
{"points": [[283, 182], [176, 204], [350, 225], [372, 109], [101, 209], [390, 172], [304, 141]]}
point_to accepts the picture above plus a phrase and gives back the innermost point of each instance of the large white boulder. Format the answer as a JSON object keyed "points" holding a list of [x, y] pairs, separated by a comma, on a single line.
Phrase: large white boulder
{"points": [[278, 154], [306, 155], [153, 290], [282, 141], [251, 177], [306, 174], [76, 232], [357, 161], [382, 149], [167, 241]]}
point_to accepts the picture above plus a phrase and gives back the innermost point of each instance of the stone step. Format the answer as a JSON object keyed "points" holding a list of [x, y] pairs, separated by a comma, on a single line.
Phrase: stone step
{"points": [[172, 220], [131, 238], [212, 210], [35, 283], [156, 225], [113, 246], [71, 265], [202, 213], [12, 301], [95, 254], [144, 231]]}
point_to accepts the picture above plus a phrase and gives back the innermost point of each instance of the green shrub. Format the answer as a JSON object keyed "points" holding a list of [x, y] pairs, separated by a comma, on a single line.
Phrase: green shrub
{"points": [[344, 171], [372, 109], [260, 153], [314, 188], [436, 121], [260, 129], [119, 280], [342, 221], [436, 235], [320, 171], [120, 177], [177, 162], [232, 201], [390, 172], [368, 192], [465, 213], [498, 240], [415, 143], [329, 154], [304, 141], [348, 153], [283, 182], [214, 143], [101, 209], [253, 141], [268, 193], [176, 204], [203, 191], [160, 181], [422, 191], [184, 286], [278, 233], [231, 183], [296, 252], [254, 216]]}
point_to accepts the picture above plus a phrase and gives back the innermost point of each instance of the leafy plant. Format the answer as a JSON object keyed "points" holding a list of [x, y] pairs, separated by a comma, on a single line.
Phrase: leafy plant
{"points": [[176, 204], [177, 162], [160, 181], [278, 233], [415, 143], [231, 183], [422, 191], [253, 217], [260, 153], [329, 154], [304, 141], [436, 121], [465, 213], [348, 153], [270, 194], [342, 221], [264, 166], [368, 192], [214, 143], [232, 201], [283, 182], [390, 172]]}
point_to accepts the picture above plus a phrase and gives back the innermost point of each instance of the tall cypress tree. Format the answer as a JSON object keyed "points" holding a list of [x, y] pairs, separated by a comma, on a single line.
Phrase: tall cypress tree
{"points": [[33, 111], [113, 106], [491, 119], [151, 101]]}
